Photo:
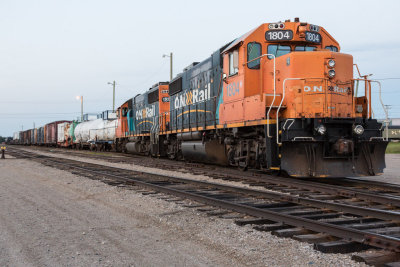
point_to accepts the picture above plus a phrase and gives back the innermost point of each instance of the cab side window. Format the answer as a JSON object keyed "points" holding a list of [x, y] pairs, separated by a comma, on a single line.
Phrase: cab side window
{"points": [[253, 51], [124, 112], [233, 62]]}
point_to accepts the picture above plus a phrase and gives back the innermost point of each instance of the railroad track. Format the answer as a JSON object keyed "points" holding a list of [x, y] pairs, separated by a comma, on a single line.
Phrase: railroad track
{"points": [[367, 193], [336, 222]]}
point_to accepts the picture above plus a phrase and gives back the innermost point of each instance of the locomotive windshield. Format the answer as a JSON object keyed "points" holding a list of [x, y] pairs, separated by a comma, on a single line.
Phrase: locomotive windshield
{"points": [[281, 50], [278, 50], [305, 48]]}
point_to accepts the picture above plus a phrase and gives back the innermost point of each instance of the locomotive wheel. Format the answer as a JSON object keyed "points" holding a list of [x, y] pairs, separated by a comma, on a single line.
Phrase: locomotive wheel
{"points": [[243, 165]]}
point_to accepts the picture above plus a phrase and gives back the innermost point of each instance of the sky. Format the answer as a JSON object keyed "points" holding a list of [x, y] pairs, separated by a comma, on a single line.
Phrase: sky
{"points": [[52, 51]]}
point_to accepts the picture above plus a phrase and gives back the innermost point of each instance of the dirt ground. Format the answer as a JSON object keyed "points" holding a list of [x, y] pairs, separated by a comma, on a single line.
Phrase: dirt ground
{"points": [[50, 217]]}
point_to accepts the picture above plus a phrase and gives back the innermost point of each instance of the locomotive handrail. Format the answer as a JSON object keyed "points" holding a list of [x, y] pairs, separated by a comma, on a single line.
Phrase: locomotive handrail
{"points": [[280, 104], [290, 125], [384, 108], [279, 107], [377, 138]]}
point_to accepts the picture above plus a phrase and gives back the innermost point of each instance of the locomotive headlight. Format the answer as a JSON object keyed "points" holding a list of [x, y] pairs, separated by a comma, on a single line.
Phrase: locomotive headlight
{"points": [[358, 130], [321, 129], [331, 63], [331, 73]]}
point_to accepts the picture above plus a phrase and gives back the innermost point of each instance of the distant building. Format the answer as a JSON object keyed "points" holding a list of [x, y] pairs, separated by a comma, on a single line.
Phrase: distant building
{"points": [[395, 121]]}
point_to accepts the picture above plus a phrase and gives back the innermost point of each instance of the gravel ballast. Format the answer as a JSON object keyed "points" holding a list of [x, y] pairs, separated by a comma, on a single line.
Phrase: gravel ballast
{"points": [[52, 217]]}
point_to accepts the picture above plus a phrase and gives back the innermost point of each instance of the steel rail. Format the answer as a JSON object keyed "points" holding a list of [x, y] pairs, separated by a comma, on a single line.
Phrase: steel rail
{"points": [[359, 182], [378, 240], [331, 189], [324, 188], [323, 204]]}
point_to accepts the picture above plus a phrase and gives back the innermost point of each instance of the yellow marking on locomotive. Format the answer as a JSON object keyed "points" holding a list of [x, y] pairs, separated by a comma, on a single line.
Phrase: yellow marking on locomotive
{"points": [[189, 98], [187, 111], [144, 122], [211, 127]]}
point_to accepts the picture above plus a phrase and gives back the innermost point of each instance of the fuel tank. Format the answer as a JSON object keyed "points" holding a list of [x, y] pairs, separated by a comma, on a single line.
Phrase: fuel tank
{"points": [[208, 152], [135, 147]]}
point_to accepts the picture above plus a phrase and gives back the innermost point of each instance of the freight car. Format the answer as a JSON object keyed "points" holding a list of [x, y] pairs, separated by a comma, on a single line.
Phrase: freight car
{"points": [[70, 134], [40, 136], [27, 137], [279, 98], [51, 132], [393, 133], [21, 138], [98, 134], [15, 139], [63, 134]]}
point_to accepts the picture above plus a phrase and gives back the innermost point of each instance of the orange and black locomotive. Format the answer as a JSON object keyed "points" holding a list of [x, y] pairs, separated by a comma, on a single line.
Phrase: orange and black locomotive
{"points": [[282, 97]]}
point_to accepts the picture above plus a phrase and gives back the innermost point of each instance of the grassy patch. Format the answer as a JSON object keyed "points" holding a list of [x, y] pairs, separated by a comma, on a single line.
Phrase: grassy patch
{"points": [[393, 148]]}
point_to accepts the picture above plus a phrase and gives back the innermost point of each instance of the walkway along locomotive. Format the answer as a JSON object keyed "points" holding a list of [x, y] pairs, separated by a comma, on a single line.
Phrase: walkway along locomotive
{"points": [[280, 97]]}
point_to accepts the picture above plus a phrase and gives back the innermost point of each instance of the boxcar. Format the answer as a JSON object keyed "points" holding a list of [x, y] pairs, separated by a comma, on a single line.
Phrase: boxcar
{"points": [[51, 130], [393, 133], [40, 136]]}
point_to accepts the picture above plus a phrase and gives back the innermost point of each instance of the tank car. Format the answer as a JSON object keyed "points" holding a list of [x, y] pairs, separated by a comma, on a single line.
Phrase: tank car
{"points": [[97, 134]]}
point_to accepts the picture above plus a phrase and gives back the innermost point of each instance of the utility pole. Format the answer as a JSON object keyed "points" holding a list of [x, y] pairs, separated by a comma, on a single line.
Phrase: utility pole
{"points": [[113, 84], [80, 97], [81, 108], [170, 65], [387, 107]]}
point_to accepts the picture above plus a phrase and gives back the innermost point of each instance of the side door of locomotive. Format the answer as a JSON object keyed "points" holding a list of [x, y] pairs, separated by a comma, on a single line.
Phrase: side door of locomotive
{"points": [[232, 109]]}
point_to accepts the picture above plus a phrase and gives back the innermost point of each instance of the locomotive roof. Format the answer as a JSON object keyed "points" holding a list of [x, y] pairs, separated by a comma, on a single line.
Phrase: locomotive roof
{"points": [[238, 40]]}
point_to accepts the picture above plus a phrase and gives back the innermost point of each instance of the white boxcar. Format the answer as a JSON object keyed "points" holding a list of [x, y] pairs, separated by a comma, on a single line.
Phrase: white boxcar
{"points": [[61, 138]]}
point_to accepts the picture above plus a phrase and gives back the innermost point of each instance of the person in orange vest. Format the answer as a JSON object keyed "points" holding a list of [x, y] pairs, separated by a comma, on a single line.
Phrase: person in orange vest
{"points": [[3, 152]]}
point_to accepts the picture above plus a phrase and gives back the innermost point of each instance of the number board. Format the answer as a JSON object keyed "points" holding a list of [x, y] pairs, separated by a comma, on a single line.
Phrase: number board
{"points": [[313, 37], [284, 35]]}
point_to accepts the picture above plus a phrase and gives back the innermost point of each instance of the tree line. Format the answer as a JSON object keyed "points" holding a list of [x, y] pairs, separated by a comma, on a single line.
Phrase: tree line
{"points": [[4, 139]]}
